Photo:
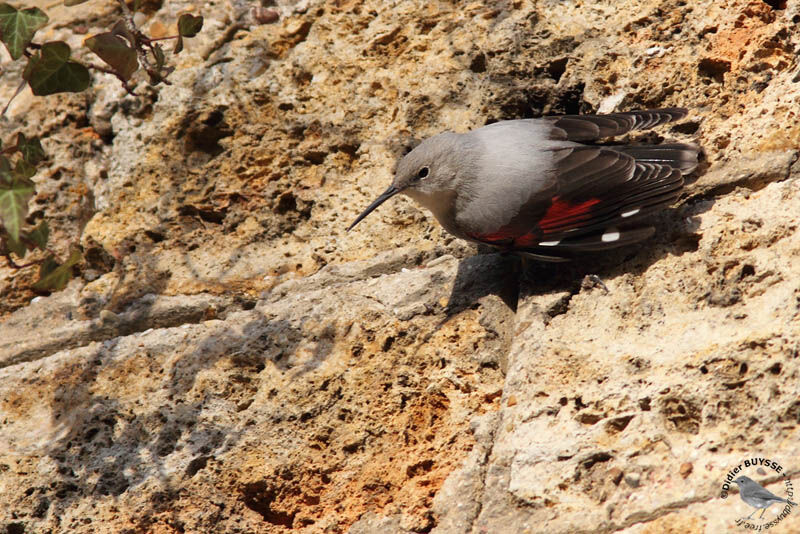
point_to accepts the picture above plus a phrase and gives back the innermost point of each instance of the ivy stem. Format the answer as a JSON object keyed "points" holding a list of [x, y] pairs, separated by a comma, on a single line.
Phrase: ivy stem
{"points": [[149, 40], [18, 267], [140, 39]]}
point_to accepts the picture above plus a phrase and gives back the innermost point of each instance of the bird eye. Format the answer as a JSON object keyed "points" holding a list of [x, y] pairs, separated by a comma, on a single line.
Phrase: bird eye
{"points": [[423, 172]]}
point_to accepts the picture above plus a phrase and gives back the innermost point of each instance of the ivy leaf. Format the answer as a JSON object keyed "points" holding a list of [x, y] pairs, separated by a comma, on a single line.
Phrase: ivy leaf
{"points": [[160, 72], [189, 25], [40, 234], [23, 170], [31, 149], [178, 45], [115, 52], [15, 192], [17, 27], [37, 238], [54, 277], [17, 247], [50, 71], [121, 30], [158, 54]]}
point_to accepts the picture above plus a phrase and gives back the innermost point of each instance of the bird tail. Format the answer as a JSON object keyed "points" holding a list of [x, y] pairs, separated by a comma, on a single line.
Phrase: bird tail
{"points": [[790, 502]]}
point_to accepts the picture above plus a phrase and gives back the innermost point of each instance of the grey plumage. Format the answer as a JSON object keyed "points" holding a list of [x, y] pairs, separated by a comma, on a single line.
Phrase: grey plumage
{"points": [[531, 186], [756, 495]]}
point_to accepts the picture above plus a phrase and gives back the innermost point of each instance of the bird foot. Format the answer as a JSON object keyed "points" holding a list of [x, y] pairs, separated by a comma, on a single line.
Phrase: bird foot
{"points": [[590, 281]]}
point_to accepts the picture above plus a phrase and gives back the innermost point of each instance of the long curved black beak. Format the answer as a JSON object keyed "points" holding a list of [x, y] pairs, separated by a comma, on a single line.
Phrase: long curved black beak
{"points": [[386, 195]]}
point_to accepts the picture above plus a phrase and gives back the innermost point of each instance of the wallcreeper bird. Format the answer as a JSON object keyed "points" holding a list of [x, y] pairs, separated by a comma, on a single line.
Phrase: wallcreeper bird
{"points": [[757, 495], [533, 186]]}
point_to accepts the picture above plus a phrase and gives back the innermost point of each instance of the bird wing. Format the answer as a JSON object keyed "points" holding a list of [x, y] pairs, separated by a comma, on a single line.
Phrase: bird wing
{"points": [[591, 202], [594, 127], [759, 492]]}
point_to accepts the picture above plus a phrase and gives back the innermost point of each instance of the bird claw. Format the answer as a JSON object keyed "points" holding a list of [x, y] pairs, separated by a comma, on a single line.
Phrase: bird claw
{"points": [[591, 281]]}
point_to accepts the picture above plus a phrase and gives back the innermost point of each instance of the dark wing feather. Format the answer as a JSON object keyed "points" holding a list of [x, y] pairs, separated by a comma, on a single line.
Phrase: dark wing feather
{"points": [[591, 243], [578, 175], [622, 206], [594, 127], [677, 155], [582, 173]]}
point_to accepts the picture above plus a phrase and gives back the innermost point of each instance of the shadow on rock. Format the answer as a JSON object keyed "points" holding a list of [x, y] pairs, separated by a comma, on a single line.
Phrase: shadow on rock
{"points": [[675, 235], [109, 443], [510, 277], [482, 275]]}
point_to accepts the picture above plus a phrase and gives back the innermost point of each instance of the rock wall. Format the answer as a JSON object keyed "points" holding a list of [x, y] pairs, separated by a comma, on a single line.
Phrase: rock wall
{"points": [[229, 359]]}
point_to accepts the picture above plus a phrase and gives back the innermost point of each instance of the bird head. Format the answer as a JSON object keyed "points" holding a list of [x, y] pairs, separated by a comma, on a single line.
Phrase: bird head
{"points": [[426, 174], [743, 481]]}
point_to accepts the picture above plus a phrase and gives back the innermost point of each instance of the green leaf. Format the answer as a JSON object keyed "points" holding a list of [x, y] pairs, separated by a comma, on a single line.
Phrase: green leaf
{"points": [[17, 247], [23, 170], [178, 45], [70, 3], [40, 234], [15, 192], [50, 71], [115, 52], [121, 29], [48, 266], [160, 58], [189, 25], [54, 277], [31, 149], [18, 26]]}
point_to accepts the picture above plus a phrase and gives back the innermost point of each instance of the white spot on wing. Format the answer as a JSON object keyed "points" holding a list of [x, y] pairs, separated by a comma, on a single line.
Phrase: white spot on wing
{"points": [[549, 243], [610, 236], [631, 213]]}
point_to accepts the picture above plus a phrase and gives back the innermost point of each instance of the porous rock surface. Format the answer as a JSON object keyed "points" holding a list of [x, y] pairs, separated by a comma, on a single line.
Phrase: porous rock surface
{"points": [[229, 359]]}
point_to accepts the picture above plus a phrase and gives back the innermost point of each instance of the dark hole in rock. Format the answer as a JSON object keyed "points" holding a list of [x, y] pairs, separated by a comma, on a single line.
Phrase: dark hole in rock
{"points": [[686, 127], [259, 498], [196, 465], [596, 458], [154, 236], [714, 68], [557, 68], [478, 63], [775, 4]]}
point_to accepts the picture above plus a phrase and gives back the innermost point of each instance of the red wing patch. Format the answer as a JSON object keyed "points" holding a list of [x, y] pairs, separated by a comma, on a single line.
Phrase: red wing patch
{"points": [[528, 240], [562, 213], [504, 236], [560, 216]]}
